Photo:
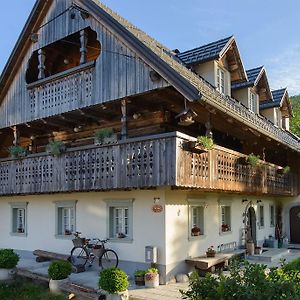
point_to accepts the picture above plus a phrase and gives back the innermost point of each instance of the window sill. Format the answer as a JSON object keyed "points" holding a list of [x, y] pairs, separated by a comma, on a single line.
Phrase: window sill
{"points": [[196, 238], [225, 232], [64, 237], [124, 240], [18, 234]]}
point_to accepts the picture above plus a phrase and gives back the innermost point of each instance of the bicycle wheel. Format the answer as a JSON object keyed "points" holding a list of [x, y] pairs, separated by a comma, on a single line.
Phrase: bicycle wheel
{"points": [[79, 256], [109, 259]]}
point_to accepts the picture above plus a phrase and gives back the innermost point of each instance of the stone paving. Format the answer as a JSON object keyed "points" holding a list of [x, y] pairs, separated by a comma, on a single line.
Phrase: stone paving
{"points": [[89, 279]]}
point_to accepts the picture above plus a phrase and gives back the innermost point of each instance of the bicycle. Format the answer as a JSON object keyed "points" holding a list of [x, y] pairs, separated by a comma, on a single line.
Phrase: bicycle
{"points": [[85, 250]]}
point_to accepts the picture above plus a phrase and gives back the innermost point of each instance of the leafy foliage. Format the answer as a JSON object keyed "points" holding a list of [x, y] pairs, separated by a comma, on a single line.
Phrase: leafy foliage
{"points": [[55, 148], [16, 151], [8, 259], [103, 133], [295, 122], [206, 142], [252, 159], [113, 280], [140, 273], [59, 270], [292, 266], [21, 290], [246, 282]]}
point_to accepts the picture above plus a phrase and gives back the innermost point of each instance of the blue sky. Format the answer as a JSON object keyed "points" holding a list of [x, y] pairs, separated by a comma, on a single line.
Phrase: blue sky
{"points": [[267, 31]]}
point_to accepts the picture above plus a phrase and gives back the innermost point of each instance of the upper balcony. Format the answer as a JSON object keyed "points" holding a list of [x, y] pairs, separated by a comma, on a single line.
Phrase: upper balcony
{"points": [[148, 162]]}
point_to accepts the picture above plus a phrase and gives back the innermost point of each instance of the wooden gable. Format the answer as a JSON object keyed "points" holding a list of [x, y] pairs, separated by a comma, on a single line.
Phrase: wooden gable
{"points": [[118, 71]]}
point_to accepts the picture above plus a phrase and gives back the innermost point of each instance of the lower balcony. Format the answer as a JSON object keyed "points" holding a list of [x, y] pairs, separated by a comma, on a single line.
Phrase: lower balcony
{"points": [[148, 162]]}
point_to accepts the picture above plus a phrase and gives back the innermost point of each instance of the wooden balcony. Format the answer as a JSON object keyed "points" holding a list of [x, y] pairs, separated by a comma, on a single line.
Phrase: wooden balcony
{"points": [[147, 162]]}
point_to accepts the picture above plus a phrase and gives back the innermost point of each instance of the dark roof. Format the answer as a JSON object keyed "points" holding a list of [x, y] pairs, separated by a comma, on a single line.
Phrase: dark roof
{"points": [[204, 53], [252, 75], [276, 102]]}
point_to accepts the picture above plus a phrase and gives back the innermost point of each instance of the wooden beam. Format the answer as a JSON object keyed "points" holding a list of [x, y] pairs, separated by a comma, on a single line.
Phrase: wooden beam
{"points": [[124, 130]]}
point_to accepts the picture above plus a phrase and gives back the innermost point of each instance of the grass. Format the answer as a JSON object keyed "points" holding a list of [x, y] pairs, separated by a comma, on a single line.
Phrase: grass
{"points": [[22, 290]]}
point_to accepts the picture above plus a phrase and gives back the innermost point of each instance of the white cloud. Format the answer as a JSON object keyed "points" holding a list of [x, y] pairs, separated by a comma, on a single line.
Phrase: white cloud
{"points": [[284, 70]]}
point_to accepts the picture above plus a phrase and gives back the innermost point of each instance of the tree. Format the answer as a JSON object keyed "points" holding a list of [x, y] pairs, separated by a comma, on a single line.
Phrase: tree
{"points": [[295, 122]]}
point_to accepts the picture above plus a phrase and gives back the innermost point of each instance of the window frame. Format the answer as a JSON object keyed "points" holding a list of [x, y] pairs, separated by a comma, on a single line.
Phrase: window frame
{"points": [[15, 219], [261, 213], [221, 76], [221, 206], [62, 205], [195, 203], [272, 215], [111, 206], [253, 99]]}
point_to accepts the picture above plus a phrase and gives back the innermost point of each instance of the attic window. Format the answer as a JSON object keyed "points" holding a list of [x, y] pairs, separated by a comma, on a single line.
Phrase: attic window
{"points": [[67, 53]]}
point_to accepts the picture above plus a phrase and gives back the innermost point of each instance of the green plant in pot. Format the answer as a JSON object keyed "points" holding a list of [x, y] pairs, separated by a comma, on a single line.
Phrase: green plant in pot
{"points": [[17, 151], [58, 273], [253, 159], [115, 283], [103, 135], [286, 170], [139, 277], [56, 148], [206, 142], [8, 261]]}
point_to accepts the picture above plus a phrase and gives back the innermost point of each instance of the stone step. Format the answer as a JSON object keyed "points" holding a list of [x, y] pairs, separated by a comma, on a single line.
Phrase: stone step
{"points": [[269, 255]]}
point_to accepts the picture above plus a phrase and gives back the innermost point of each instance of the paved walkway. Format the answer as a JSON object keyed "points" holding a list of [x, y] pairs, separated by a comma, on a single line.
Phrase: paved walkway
{"points": [[89, 279]]}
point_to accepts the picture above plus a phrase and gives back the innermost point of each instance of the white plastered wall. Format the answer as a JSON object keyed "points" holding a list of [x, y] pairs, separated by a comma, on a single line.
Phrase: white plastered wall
{"points": [[91, 220], [269, 114], [242, 95]]}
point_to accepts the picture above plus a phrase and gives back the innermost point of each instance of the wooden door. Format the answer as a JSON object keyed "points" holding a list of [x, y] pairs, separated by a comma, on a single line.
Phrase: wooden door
{"points": [[295, 224]]}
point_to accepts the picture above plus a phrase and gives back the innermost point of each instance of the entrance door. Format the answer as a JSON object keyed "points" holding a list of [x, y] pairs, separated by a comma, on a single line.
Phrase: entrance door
{"points": [[251, 224], [295, 224]]}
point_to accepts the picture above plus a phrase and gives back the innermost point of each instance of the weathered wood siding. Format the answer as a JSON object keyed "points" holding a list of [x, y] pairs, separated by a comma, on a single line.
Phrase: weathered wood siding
{"points": [[153, 161], [118, 72]]}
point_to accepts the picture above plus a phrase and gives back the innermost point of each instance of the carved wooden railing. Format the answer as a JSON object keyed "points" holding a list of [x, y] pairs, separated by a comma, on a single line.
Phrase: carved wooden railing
{"points": [[65, 91], [222, 169], [141, 163]]}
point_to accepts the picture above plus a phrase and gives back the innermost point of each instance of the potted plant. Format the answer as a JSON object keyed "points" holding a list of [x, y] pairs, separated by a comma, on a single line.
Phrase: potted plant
{"points": [[115, 283], [104, 136], [58, 273], [258, 250], [284, 170], [139, 277], [56, 148], [253, 160], [203, 144], [250, 247], [152, 278], [8, 261], [210, 252], [225, 227], [196, 231], [17, 151]]}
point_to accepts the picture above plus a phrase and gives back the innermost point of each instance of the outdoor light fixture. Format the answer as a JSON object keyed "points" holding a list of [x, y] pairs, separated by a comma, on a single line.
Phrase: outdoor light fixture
{"points": [[186, 116], [136, 116]]}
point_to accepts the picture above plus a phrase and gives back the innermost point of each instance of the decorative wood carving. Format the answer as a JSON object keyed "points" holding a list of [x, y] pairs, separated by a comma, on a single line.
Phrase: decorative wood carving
{"points": [[83, 48], [41, 57]]}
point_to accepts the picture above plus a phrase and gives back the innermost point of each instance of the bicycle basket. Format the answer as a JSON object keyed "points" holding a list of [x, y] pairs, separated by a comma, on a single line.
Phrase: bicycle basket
{"points": [[78, 242]]}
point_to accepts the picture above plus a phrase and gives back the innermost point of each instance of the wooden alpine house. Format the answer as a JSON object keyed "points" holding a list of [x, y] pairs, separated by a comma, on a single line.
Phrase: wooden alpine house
{"points": [[100, 124]]}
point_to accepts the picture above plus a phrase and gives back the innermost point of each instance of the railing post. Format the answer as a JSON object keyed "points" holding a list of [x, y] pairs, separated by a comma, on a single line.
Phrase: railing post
{"points": [[41, 67], [83, 46]]}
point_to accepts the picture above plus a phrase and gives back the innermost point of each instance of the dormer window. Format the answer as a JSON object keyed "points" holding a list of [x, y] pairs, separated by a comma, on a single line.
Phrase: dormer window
{"points": [[253, 102], [221, 81]]}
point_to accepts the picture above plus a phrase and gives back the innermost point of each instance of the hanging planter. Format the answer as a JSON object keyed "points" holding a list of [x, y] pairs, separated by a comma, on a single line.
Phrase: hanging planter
{"points": [[105, 136], [17, 151], [203, 144], [56, 148], [253, 160]]}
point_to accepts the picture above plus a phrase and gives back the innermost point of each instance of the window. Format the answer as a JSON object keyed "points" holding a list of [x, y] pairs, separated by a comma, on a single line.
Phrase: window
{"points": [[225, 218], [272, 215], [120, 217], [65, 218], [221, 81], [261, 216], [196, 218], [253, 102], [19, 218]]}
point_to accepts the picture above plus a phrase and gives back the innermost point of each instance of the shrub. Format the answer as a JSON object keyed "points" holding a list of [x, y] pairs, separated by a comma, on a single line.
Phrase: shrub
{"points": [[206, 142], [113, 280], [8, 259], [246, 281], [286, 170], [139, 273], [59, 270], [16, 151], [55, 148], [292, 266], [253, 159], [101, 134]]}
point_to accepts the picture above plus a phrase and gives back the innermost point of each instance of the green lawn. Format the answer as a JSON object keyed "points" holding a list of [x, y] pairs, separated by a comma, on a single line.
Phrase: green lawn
{"points": [[22, 290]]}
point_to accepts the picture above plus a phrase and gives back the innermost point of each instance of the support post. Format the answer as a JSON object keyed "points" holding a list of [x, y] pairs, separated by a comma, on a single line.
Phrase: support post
{"points": [[16, 135], [83, 46], [124, 119], [41, 57]]}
